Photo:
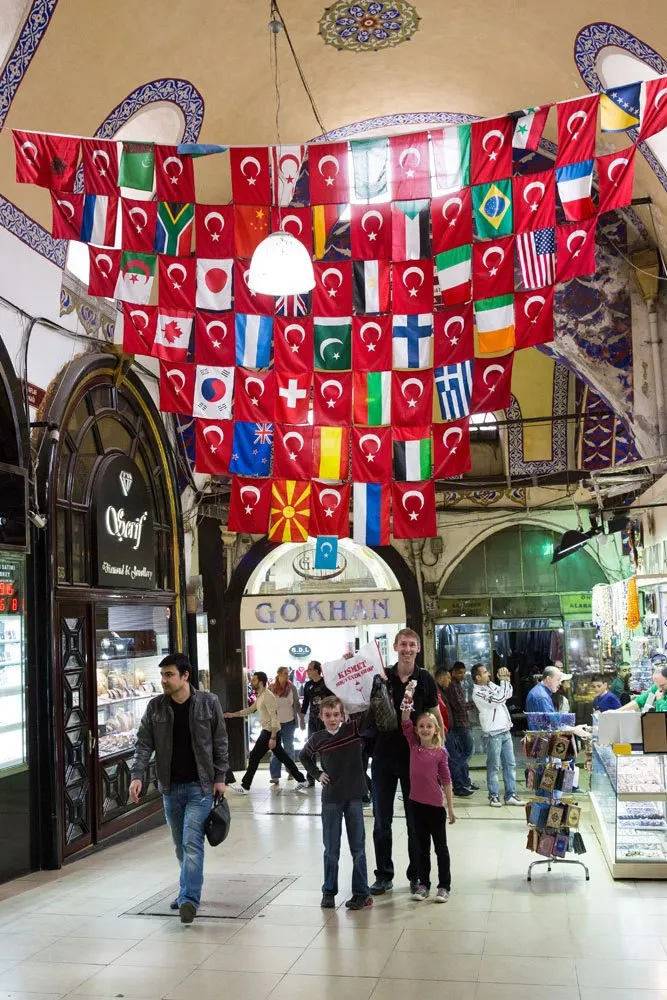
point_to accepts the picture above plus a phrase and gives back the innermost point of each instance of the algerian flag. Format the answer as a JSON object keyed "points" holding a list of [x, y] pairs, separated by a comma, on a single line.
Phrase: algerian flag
{"points": [[137, 166], [136, 276], [454, 269], [495, 324], [369, 160], [451, 157]]}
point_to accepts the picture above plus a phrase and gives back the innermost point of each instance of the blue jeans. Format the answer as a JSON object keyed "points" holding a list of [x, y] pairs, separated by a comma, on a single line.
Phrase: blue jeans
{"points": [[333, 814], [186, 809], [459, 745], [500, 752], [287, 730]]}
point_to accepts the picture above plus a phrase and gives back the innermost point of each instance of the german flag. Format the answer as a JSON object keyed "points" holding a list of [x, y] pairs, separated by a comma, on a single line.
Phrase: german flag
{"points": [[290, 511]]}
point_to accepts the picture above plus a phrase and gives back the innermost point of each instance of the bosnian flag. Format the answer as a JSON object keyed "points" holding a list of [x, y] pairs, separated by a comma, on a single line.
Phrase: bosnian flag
{"points": [[575, 182], [370, 521], [98, 225]]}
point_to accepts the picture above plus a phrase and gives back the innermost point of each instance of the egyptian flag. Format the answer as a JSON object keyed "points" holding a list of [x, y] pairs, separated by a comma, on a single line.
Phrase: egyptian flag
{"points": [[371, 286], [410, 230]]}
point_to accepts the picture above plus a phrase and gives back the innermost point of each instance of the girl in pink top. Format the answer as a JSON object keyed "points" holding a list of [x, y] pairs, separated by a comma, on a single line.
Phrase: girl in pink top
{"points": [[429, 776]]}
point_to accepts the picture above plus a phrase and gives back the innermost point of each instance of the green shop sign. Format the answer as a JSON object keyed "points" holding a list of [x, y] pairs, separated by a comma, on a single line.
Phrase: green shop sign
{"points": [[577, 607]]}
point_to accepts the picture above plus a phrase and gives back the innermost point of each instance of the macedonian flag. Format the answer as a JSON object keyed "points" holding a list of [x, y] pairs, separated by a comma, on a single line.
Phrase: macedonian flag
{"points": [[290, 511]]}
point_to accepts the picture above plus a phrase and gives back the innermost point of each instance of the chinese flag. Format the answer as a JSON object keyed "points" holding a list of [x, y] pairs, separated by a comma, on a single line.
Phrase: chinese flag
{"points": [[534, 318], [138, 221], [371, 454], [575, 249], [249, 505], [534, 201], [616, 175], [100, 166], [410, 174], [177, 282], [292, 393], [491, 150], [454, 335], [332, 398], [46, 160], [251, 226], [174, 175], [254, 395], [370, 232], [214, 231], [215, 339], [293, 344], [329, 173], [251, 180], [139, 328], [332, 295], [451, 449], [412, 286], [213, 446], [246, 301], [491, 384], [411, 398], [292, 451], [493, 268], [177, 387], [289, 514], [451, 219], [371, 343], [577, 126], [104, 271], [67, 215], [298, 222], [413, 508], [329, 509]]}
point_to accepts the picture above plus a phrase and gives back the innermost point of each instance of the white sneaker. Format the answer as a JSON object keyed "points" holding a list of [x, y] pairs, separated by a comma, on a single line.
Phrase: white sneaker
{"points": [[274, 781], [441, 896], [239, 789], [301, 786], [514, 800], [494, 801]]}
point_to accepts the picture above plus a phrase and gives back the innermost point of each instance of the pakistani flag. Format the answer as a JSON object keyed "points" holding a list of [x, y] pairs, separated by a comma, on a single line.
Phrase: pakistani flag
{"points": [[137, 166], [454, 269], [492, 204], [333, 343], [495, 324], [136, 276], [369, 162], [412, 458], [451, 157], [372, 398]]}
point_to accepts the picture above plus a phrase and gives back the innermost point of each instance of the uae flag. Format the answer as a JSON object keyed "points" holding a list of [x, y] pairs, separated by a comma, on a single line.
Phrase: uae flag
{"points": [[413, 458], [372, 398], [454, 269], [371, 286], [410, 229]]}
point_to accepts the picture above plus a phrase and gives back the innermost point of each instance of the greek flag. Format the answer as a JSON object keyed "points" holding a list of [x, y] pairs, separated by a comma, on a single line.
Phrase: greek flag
{"points": [[454, 387]]}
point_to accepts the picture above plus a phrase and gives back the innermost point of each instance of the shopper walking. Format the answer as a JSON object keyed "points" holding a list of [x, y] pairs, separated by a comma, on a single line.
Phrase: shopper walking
{"points": [[185, 729], [266, 706], [459, 740], [314, 690], [289, 716], [491, 702]]}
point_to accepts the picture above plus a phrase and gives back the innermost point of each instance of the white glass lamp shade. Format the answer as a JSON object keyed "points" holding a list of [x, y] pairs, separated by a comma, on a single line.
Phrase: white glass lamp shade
{"points": [[281, 266]]}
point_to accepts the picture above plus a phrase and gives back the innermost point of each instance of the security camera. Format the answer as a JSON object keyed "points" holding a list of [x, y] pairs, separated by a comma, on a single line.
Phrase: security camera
{"points": [[53, 433], [39, 520]]}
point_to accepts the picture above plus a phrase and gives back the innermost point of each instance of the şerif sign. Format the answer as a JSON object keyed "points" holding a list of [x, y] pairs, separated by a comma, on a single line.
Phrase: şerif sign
{"points": [[125, 534]]}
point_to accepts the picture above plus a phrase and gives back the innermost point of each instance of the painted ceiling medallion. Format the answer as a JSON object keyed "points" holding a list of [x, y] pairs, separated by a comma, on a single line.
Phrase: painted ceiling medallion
{"points": [[369, 25]]}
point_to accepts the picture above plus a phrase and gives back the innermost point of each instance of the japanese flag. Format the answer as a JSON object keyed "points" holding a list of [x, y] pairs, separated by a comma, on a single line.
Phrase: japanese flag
{"points": [[214, 284]]}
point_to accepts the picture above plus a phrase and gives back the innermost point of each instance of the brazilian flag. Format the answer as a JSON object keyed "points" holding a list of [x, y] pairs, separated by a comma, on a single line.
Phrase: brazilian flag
{"points": [[492, 204]]}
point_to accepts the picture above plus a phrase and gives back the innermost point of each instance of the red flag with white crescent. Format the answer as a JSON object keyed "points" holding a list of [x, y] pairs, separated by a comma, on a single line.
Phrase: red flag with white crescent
{"points": [[451, 449], [371, 343], [292, 397], [177, 387], [577, 128], [332, 399], [370, 232], [491, 384], [412, 286], [332, 295], [413, 510], [534, 318], [654, 108], [139, 328], [67, 215], [534, 201], [451, 219], [329, 173], [215, 339], [575, 249], [213, 446], [371, 455], [286, 164], [214, 230], [616, 176], [491, 150], [100, 166], [293, 344], [103, 272], [176, 276], [412, 397], [174, 175], [493, 268], [46, 160], [249, 505], [298, 222], [254, 395], [329, 509], [138, 221], [245, 300], [454, 335], [251, 179], [410, 169], [293, 451]]}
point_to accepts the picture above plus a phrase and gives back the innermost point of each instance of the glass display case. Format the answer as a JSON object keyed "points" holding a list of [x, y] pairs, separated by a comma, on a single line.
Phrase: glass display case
{"points": [[629, 798], [12, 664]]}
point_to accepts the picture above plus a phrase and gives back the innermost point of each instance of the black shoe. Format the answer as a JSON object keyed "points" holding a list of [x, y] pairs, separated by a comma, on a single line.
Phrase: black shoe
{"points": [[414, 885], [366, 800], [473, 787], [311, 782], [188, 912], [359, 902], [328, 901], [380, 886], [173, 905], [463, 793]]}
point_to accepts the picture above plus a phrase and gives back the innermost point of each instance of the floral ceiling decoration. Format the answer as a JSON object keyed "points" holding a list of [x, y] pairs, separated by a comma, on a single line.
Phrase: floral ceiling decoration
{"points": [[368, 26]]}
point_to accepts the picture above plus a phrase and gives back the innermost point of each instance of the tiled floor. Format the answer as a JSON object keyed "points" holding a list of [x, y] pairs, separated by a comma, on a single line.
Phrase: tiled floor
{"points": [[64, 934]]}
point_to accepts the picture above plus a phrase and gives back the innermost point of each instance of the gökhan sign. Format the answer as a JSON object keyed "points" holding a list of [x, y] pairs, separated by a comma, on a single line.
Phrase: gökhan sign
{"points": [[320, 610], [125, 527]]}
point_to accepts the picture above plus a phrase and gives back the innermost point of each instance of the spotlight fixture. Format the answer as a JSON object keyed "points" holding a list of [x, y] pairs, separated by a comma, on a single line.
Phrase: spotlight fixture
{"points": [[572, 541]]}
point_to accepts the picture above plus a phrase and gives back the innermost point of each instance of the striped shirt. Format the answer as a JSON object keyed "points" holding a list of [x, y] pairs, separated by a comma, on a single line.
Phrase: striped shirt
{"points": [[340, 758]]}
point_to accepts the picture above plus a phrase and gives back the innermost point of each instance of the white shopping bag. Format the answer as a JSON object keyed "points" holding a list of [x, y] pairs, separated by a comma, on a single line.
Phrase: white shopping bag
{"points": [[352, 679]]}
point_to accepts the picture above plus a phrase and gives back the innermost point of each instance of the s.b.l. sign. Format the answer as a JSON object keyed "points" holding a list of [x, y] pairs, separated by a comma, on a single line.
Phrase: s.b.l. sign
{"points": [[125, 535]]}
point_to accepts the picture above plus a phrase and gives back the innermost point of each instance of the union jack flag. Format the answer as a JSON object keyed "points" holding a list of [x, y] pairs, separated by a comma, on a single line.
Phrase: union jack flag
{"points": [[293, 305], [263, 433]]}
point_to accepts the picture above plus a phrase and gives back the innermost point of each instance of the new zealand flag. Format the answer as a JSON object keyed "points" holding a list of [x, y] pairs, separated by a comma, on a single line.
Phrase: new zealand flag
{"points": [[251, 449]]}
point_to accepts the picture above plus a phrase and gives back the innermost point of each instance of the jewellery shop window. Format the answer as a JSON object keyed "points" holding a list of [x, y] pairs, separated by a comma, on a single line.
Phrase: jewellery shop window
{"points": [[130, 641], [12, 664]]}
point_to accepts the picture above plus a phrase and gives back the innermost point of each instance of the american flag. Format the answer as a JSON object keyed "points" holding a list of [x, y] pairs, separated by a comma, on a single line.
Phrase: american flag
{"points": [[537, 257]]}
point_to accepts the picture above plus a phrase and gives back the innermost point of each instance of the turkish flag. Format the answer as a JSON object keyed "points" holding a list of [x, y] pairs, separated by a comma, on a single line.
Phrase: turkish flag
{"points": [[454, 335], [451, 219], [413, 508], [177, 282], [410, 173], [293, 344], [251, 226], [138, 221], [292, 394], [251, 179], [451, 449], [67, 215], [371, 455], [214, 230], [577, 127], [534, 201], [100, 166], [249, 505], [103, 272], [493, 268], [370, 232], [329, 509], [491, 150], [254, 395], [616, 176], [329, 173], [298, 222], [332, 295], [491, 384], [371, 343], [292, 451], [139, 328], [46, 160], [174, 175], [534, 318], [412, 286], [412, 398], [575, 249], [213, 446], [654, 112], [177, 387], [332, 398], [245, 300], [215, 339]]}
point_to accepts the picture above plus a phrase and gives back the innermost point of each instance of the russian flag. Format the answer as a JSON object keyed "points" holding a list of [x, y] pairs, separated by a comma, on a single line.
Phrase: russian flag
{"points": [[575, 183], [370, 521], [253, 340], [98, 225]]}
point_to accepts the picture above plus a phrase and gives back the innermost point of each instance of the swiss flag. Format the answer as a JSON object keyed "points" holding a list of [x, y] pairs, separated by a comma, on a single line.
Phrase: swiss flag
{"points": [[454, 335], [251, 180], [413, 509], [493, 268], [575, 249], [371, 343], [292, 394], [100, 166], [411, 398], [410, 173], [412, 286], [214, 230], [174, 175], [214, 283], [292, 451], [139, 328], [616, 175], [245, 300], [534, 318], [491, 150], [332, 399], [534, 201], [451, 219], [46, 160], [577, 127], [370, 232], [214, 339], [213, 446], [254, 395], [104, 271], [67, 215], [177, 387], [298, 222], [293, 344], [451, 449], [491, 384], [654, 111], [329, 509], [138, 221], [249, 505], [176, 276], [371, 454], [332, 295], [329, 173]]}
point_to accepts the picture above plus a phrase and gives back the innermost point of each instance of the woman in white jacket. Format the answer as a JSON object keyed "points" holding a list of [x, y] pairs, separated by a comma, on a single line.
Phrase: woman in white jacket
{"points": [[490, 701]]}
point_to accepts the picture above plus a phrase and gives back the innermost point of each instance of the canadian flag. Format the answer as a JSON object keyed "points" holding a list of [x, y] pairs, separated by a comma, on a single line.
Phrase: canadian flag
{"points": [[172, 341], [214, 284]]}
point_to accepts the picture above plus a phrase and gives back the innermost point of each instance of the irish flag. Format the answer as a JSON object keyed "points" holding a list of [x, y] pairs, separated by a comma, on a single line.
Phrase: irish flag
{"points": [[454, 270], [495, 324], [372, 398]]}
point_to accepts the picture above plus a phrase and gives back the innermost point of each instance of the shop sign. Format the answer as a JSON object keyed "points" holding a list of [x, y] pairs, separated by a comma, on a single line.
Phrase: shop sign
{"points": [[322, 610], [300, 651], [125, 529], [464, 607], [577, 607], [526, 606]]}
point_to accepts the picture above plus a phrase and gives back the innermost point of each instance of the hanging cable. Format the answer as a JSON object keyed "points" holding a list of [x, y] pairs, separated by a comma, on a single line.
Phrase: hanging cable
{"points": [[276, 14]]}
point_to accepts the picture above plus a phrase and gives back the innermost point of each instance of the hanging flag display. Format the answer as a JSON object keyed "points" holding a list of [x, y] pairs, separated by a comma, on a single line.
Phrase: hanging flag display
{"points": [[413, 341], [332, 398], [286, 163], [370, 232], [329, 173], [413, 508], [451, 157], [494, 319], [370, 512], [409, 166], [371, 286], [372, 398], [137, 166], [451, 449], [46, 160], [249, 506], [493, 267], [138, 223], [371, 454], [413, 459], [293, 451], [369, 165], [528, 127], [174, 175], [534, 201], [371, 343], [176, 282], [100, 166], [453, 335], [251, 176], [575, 184], [410, 230], [329, 509], [577, 121], [255, 394], [451, 220], [213, 446], [331, 448], [214, 230], [173, 228], [293, 344]]}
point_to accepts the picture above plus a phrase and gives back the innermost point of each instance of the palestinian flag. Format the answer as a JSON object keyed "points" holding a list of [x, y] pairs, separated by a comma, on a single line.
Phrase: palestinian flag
{"points": [[370, 281], [413, 456], [454, 269], [410, 229], [372, 398], [173, 233], [494, 319], [331, 452]]}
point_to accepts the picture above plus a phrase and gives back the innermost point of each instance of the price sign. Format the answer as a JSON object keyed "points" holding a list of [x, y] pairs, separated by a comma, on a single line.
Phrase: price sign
{"points": [[9, 593]]}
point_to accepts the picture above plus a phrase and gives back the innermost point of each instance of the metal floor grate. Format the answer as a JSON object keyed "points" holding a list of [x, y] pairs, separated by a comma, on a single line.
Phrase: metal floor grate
{"points": [[225, 896]]}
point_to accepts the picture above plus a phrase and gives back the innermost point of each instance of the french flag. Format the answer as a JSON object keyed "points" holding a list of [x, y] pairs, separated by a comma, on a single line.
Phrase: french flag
{"points": [[98, 225], [370, 522], [575, 183]]}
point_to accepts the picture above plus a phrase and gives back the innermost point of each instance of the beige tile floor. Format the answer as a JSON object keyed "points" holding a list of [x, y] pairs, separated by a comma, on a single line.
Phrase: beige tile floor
{"points": [[64, 934]]}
